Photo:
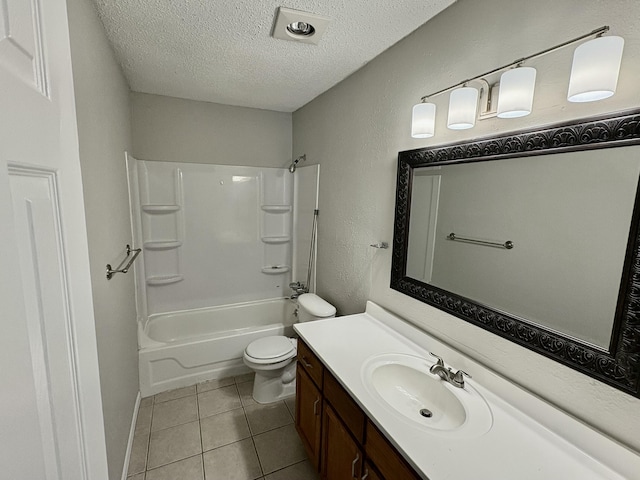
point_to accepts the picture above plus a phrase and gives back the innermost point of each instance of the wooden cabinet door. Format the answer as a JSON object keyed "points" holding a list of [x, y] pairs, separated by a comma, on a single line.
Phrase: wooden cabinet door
{"points": [[308, 415], [370, 473], [341, 455], [384, 456]]}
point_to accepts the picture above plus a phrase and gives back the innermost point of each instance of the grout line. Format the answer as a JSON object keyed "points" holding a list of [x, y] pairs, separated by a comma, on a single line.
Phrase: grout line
{"points": [[199, 428], [172, 399], [146, 462], [171, 463], [255, 449], [283, 468]]}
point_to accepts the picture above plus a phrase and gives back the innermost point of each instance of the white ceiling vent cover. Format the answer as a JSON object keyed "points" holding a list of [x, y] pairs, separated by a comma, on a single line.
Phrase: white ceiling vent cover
{"points": [[299, 26]]}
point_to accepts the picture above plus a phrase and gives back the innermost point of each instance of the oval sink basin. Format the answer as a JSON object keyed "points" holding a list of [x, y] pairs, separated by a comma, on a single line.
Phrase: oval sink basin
{"points": [[422, 399]]}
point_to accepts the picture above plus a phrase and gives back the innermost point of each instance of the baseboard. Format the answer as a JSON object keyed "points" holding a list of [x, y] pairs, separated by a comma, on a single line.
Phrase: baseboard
{"points": [[132, 431]]}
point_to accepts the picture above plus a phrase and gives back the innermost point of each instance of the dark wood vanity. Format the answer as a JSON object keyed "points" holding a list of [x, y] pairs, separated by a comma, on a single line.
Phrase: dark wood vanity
{"points": [[342, 443]]}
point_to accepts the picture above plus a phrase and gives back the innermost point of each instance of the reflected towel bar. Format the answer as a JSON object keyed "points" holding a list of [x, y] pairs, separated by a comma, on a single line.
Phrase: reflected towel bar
{"points": [[111, 272], [508, 244]]}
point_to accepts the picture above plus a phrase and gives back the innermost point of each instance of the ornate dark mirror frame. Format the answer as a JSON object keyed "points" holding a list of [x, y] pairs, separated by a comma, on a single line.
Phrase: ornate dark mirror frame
{"points": [[620, 365]]}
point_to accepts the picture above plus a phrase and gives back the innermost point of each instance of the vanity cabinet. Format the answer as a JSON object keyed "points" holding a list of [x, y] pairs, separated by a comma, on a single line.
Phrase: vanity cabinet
{"points": [[342, 443], [309, 405]]}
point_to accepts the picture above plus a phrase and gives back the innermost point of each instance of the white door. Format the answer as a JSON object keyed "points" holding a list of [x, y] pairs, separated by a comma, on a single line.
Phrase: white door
{"points": [[50, 409]]}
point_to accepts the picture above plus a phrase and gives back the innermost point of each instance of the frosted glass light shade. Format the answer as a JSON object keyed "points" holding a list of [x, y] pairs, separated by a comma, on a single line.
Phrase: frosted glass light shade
{"points": [[423, 120], [594, 73], [463, 107], [516, 92]]}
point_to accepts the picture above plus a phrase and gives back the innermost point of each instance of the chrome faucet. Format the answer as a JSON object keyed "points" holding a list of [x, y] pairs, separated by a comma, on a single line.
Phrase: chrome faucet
{"points": [[298, 289], [445, 373]]}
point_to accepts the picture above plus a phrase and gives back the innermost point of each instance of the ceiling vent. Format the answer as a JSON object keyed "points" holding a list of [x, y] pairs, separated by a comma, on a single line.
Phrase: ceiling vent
{"points": [[299, 26]]}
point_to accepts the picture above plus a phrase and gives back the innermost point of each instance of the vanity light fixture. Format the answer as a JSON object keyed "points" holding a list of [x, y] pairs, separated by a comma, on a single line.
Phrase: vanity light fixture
{"points": [[594, 76], [595, 68], [463, 108], [515, 98], [423, 120]]}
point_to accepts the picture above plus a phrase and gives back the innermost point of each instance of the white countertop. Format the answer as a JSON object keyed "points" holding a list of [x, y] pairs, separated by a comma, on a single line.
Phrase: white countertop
{"points": [[529, 438]]}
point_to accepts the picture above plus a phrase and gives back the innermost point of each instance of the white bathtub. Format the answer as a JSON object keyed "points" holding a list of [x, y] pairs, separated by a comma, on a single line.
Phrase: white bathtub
{"points": [[183, 348]]}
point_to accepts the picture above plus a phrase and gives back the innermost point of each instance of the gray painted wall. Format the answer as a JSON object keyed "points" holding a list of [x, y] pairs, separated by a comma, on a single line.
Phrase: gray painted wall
{"points": [[356, 129], [178, 130], [562, 212], [104, 130]]}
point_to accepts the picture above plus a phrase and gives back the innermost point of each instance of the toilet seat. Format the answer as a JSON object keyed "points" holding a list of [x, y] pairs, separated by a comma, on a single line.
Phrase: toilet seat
{"points": [[269, 350]]}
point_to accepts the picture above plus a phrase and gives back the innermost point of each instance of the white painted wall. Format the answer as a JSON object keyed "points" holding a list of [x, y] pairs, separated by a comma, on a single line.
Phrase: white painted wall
{"points": [[356, 129], [104, 130], [178, 130]]}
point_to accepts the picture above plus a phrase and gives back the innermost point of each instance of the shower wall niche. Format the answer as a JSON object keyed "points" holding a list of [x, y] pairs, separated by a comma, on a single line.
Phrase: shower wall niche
{"points": [[211, 234]]}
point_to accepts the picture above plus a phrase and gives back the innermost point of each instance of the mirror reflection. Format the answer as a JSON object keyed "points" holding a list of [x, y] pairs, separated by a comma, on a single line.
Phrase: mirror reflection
{"points": [[568, 216]]}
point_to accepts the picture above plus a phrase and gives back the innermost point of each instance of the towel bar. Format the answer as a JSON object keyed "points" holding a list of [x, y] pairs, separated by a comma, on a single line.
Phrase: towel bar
{"points": [[508, 244], [111, 272]]}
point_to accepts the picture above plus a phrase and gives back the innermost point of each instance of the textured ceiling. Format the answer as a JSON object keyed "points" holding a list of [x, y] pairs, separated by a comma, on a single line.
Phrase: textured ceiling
{"points": [[223, 52]]}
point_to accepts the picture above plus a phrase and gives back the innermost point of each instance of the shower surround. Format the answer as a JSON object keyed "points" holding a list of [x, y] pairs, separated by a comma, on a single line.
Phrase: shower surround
{"points": [[217, 261]]}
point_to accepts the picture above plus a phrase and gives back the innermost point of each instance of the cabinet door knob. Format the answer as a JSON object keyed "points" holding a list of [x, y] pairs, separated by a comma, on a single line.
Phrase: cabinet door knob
{"points": [[353, 466], [366, 474], [315, 405]]}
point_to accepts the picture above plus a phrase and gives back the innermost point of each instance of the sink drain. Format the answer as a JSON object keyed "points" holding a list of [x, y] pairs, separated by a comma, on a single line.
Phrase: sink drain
{"points": [[426, 413]]}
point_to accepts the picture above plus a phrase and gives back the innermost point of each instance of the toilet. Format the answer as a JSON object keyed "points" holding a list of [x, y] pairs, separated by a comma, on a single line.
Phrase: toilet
{"points": [[273, 358]]}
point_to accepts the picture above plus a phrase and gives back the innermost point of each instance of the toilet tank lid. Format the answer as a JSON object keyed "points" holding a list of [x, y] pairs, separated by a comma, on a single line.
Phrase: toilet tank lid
{"points": [[316, 306]]}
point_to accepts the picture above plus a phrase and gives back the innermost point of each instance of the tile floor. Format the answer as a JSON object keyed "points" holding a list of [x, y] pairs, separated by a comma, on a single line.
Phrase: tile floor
{"points": [[216, 431]]}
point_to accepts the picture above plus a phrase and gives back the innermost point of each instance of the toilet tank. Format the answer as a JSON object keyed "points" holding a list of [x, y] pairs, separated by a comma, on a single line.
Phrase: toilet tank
{"points": [[312, 307]]}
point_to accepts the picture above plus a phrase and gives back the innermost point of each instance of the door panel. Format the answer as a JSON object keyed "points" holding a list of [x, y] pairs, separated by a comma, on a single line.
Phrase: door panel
{"points": [[20, 41], [39, 242]]}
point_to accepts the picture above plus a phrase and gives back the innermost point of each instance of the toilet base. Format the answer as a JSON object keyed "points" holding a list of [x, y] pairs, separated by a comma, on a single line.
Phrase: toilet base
{"points": [[273, 385]]}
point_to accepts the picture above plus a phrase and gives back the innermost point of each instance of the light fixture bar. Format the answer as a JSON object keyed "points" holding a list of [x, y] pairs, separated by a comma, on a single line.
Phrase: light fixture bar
{"points": [[597, 32]]}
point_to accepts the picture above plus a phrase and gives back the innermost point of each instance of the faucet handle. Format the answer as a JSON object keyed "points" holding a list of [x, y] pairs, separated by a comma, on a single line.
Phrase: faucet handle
{"points": [[440, 360], [458, 378]]}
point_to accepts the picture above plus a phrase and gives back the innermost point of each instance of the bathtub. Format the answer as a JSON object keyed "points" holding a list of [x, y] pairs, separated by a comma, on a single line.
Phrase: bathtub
{"points": [[179, 349]]}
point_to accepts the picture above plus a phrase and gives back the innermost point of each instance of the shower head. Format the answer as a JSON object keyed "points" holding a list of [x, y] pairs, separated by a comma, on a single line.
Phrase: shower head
{"points": [[292, 167]]}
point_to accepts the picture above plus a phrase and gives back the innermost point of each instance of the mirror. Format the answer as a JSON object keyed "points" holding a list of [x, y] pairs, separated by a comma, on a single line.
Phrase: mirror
{"points": [[533, 237]]}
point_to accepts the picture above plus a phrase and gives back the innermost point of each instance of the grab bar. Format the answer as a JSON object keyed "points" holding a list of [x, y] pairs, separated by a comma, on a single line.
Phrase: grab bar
{"points": [[508, 244], [111, 272]]}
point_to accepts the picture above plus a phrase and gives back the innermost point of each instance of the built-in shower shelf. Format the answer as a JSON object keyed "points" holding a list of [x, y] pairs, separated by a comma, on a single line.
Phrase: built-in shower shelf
{"points": [[276, 208], [160, 208], [277, 239], [164, 279], [164, 245], [275, 269]]}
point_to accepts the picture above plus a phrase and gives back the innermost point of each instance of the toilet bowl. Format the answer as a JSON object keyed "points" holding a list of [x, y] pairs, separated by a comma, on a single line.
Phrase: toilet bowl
{"points": [[273, 358]]}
